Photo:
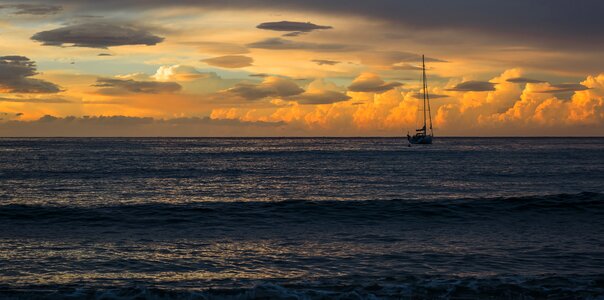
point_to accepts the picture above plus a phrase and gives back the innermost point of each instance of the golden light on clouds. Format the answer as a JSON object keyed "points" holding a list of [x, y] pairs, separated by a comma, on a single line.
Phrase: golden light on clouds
{"points": [[311, 70]]}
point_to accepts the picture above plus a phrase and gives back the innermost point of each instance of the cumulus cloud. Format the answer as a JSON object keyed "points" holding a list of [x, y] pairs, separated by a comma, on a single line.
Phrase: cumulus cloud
{"points": [[179, 73], [291, 26], [33, 9], [97, 35], [111, 86], [473, 86], [322, 62], [283, 44], [524, 80], [15, 76], [271, 87], [117, 126], [229, 61], [371, 83]]}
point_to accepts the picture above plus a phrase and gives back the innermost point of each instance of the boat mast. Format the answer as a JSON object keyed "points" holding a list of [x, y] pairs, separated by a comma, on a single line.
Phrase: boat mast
{"points": [[425, 95]]}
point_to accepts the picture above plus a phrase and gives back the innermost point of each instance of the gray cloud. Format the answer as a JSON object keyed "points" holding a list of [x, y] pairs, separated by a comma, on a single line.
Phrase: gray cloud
{"points": [[15, 73], [110, 126], [553, 23], [473, 86], [105, 54], [283, 44], [387, 58], [564, 88], [271, 87], [261, 75], [291, 26], [432, 96], [33, 9], [97, 35], [293, 34], [230, 61], [322, 97], [322, 62], [372, 84], [111, 86], [524, 80]]}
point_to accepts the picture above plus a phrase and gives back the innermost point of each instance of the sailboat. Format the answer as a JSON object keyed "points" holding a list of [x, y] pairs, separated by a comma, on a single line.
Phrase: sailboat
{"points": [[423, 135]]}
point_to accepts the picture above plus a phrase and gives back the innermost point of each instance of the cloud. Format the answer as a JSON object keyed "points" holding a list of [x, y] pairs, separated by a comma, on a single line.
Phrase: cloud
{"points": [[431, 95], [406, 67], [35, 100], [283, 44], [179, 73], [219, 48], [291, 26], [261, 75], [15, 73], [118, 126], [524, 80], [105, 54], [271, 87], [33, 9], [293, 34], [371, 83], [322, 62], [230, 61], [387, 58], [563, 88], [473, 86], [97, 35], [320, 97], [110, 86]]}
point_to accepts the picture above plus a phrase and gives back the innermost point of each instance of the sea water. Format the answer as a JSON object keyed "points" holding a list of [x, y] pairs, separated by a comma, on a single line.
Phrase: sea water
{"points": [[302, 218]]}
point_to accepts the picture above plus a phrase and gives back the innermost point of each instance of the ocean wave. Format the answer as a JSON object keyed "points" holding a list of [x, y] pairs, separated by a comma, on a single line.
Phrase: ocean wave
{"points": [[216, 213], [544, 287]]}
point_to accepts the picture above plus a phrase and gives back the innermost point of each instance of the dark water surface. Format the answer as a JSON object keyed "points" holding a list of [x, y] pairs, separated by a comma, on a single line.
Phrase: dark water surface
{"points": [[465, 218]]}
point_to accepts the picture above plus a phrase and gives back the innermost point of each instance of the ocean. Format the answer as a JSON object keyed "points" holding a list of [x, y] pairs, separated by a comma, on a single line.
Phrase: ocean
{"points": [[301, 218]]}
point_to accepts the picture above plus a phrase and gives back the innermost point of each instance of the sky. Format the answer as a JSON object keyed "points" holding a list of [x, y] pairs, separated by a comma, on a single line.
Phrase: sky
{"points": [[300, 68]]}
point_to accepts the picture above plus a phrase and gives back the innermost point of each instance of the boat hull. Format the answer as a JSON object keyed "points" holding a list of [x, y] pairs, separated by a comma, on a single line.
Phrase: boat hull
{"points": [[426, 139]]}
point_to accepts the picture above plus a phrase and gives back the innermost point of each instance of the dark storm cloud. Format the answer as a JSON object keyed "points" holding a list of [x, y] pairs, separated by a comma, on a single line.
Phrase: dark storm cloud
{"points": [[33, 9], [229, 61], [111, 86], [291, 26], [322, 62], [97, 35], [564, 88], [322, 97], [473, 86], [133, 126], [15, 73], [524, 80], [283, 44]]}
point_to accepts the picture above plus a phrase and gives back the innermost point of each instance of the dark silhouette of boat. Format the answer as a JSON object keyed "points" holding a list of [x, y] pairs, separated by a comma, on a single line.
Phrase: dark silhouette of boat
{"points": [[425, 134]]}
